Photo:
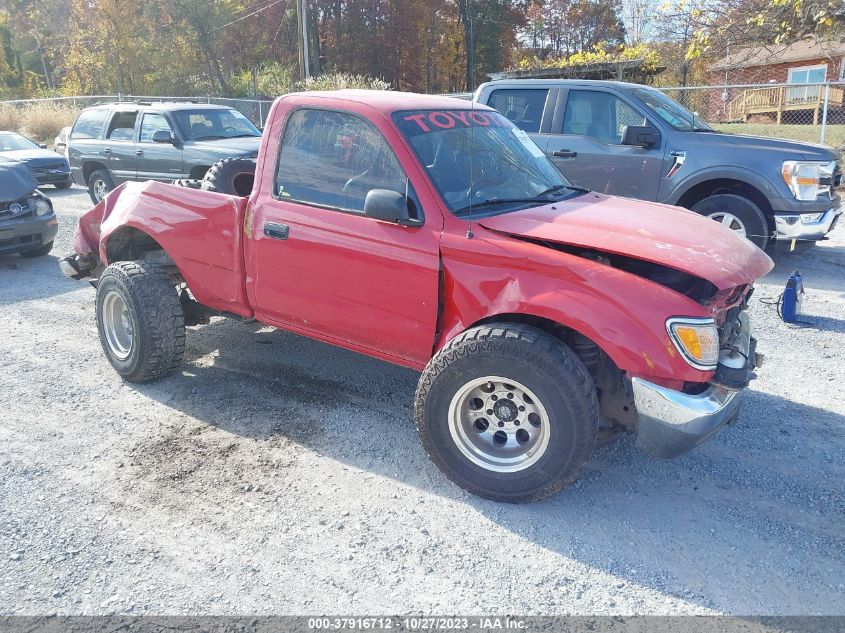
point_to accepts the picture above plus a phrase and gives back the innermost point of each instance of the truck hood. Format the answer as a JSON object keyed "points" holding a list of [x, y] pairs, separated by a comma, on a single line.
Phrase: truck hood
{"points": [[231, 146], [788, 150], [670, 236]]}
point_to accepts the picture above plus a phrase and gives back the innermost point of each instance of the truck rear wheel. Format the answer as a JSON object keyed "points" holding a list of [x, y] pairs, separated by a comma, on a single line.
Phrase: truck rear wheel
{"points": [[140, 320], [507, 412], [738, 214]]}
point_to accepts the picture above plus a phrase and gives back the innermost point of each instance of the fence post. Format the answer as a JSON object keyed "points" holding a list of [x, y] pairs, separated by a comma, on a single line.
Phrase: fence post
{"points": [[260, 115], [824, 113]]}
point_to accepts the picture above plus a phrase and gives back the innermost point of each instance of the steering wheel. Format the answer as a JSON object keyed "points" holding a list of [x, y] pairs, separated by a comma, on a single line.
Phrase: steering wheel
{"points": [[230, 128], [349, 190]]}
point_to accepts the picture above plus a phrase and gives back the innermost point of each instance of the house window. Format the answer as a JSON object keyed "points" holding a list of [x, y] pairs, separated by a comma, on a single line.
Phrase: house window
{"points": [[806, 76]]}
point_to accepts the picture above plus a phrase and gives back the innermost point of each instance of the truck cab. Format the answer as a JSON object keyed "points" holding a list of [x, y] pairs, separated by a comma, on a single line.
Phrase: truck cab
{"points": [[632, 140]]}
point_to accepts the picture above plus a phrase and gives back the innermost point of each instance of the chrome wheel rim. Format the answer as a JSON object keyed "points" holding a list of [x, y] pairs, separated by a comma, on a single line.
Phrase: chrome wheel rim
{"points": [[100, 190], [117, 325], [730, 221], [499, 424]]}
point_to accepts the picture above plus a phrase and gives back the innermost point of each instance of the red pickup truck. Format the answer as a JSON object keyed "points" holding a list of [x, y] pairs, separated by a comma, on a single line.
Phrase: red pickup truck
{"points": [[432, 233]]}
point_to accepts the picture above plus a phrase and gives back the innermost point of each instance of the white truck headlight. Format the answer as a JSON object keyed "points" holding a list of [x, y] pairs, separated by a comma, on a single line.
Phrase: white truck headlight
{"points": [[43, 206], [807, 179], [696, 339]]}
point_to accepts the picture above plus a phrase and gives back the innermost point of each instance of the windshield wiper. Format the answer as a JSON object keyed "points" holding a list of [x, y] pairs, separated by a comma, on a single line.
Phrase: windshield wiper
{"points": [[243, 136], [488, 204], [209, 138], [557, 188]]}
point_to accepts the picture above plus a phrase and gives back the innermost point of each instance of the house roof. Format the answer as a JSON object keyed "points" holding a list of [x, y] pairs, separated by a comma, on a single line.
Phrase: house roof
{"points": [[802, 50]]}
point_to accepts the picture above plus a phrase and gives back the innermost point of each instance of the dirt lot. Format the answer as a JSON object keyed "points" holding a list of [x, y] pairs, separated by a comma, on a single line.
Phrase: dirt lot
{"points": [[274, 474]]}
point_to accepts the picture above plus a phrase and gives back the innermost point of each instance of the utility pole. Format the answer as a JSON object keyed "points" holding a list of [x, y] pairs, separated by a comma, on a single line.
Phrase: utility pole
{"points": [[306, 63], [299, 37]]}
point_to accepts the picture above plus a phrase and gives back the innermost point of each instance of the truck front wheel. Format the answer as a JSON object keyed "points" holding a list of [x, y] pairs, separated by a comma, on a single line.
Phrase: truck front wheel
{"points": [[507, 412], [140, 320], [738, 214]]}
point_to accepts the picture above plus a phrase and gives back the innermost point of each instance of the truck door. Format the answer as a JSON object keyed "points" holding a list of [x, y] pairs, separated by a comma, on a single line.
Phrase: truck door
{"points": [[119, 146], [157, 161], [318, 265], [586, 145]]}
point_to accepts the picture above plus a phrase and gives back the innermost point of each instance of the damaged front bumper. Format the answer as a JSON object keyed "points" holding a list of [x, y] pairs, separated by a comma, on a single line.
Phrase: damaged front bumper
{"points": [[671, 422]]}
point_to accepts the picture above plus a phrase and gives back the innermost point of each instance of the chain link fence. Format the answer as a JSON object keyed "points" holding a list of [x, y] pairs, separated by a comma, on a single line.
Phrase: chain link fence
{"points": [[808, 112], [256, 110]]}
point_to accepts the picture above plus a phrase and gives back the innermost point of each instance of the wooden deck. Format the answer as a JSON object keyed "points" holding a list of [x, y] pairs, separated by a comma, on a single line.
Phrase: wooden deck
{"points": [[777, 100]]}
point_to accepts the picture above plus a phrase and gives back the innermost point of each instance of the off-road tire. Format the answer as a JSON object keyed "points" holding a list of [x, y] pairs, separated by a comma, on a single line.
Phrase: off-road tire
{"points": [[156, 315], [38, 252], [233, 176], [99, 175], [756, 226], [188, 183], [540, 362]]}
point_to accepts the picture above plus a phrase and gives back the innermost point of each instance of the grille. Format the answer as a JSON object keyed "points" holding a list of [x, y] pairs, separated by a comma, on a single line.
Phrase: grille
{"points": [[43, 169], [27, 208]]}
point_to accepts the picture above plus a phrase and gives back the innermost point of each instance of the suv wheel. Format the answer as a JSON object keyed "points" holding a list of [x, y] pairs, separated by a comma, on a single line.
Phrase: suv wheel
{"points": [[507, 412], [738, 214], [99, 184]]}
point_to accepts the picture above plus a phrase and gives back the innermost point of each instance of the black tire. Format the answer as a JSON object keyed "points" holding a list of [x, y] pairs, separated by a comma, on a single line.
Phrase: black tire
{"points": [[748, 213], [63, 185], [189, 183], [101, 175], [155, 313], [39, 252], [545, 366], [233, 176]]}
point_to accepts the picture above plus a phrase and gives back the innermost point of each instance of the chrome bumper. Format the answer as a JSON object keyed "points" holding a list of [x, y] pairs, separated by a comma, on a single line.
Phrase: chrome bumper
{"points": [[793, 226], [671, 423]]}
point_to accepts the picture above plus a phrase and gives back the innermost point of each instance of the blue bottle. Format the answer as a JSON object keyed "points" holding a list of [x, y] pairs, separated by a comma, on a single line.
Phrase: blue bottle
{"points": [[793, 295]]}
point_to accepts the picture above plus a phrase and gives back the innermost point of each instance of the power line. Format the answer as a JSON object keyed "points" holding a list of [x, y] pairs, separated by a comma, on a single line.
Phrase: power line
{"points": [[248, 15]]}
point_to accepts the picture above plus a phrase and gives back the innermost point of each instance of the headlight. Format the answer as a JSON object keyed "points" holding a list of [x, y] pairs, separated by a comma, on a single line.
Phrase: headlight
{"points": [[806, 180], [696, 339], [43, 206]]}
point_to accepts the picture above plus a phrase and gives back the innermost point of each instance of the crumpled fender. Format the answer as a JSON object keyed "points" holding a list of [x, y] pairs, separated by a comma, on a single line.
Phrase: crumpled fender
{"points": [[622, 313], [199, 230]]}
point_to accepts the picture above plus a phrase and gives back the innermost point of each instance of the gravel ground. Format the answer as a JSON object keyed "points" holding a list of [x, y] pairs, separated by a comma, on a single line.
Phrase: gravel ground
{"points": [[277, 475]]}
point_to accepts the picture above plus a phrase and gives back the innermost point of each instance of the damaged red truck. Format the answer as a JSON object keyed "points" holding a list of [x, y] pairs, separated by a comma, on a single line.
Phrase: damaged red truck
{"points": [[432, 233]]}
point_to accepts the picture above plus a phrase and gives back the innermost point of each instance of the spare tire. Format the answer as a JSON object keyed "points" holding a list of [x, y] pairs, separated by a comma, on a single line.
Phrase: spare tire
{"points": [[233, 176], [190, 183]]}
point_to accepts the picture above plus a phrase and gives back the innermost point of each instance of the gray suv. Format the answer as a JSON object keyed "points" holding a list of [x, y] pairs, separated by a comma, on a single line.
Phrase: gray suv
{"points": [[115, 142], [632, 140]]}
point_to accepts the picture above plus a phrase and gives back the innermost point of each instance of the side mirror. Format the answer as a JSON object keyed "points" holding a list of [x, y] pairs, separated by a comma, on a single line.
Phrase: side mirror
{"points": [[42, 145], [640, 136], [163, 136], [389, 206]]}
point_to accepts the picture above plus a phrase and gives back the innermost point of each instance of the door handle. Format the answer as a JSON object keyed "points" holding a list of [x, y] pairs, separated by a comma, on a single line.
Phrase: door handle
{"points": [[107, 150], [565, 153], [276, 231], [139, 152]]}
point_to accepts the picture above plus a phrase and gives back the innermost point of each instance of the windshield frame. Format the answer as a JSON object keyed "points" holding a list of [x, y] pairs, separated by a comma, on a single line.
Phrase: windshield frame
{"points": [[497, 206], [695, 123], [183, 114], [20, 137]]}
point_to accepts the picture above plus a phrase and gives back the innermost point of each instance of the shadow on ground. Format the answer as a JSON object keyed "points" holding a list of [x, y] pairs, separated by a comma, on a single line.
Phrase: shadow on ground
{"points": [[685, 522]]}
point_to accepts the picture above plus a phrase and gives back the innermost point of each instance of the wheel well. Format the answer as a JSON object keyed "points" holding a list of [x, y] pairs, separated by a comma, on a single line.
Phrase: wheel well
{"points": [[708, 188], [90, 168], [129, 244], [198, 172]]}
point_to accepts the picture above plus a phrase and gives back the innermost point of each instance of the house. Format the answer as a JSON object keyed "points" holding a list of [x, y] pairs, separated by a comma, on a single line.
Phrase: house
{"points": [[804, 64]]}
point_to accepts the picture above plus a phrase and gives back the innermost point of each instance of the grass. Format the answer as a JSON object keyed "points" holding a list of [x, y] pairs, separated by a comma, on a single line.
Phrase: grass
{"points": [[40, 122], [834, 134]]}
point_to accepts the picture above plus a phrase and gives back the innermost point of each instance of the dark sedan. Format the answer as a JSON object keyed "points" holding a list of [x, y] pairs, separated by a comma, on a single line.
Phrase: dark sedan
{"points": [[48, 168]]}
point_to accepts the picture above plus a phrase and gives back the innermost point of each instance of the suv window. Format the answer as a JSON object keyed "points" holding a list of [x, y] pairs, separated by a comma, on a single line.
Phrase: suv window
{"points": [[122, 126], [151, 123], [599, 115], [524, 108], [332, 159], [89, 124], [213, 124]]}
